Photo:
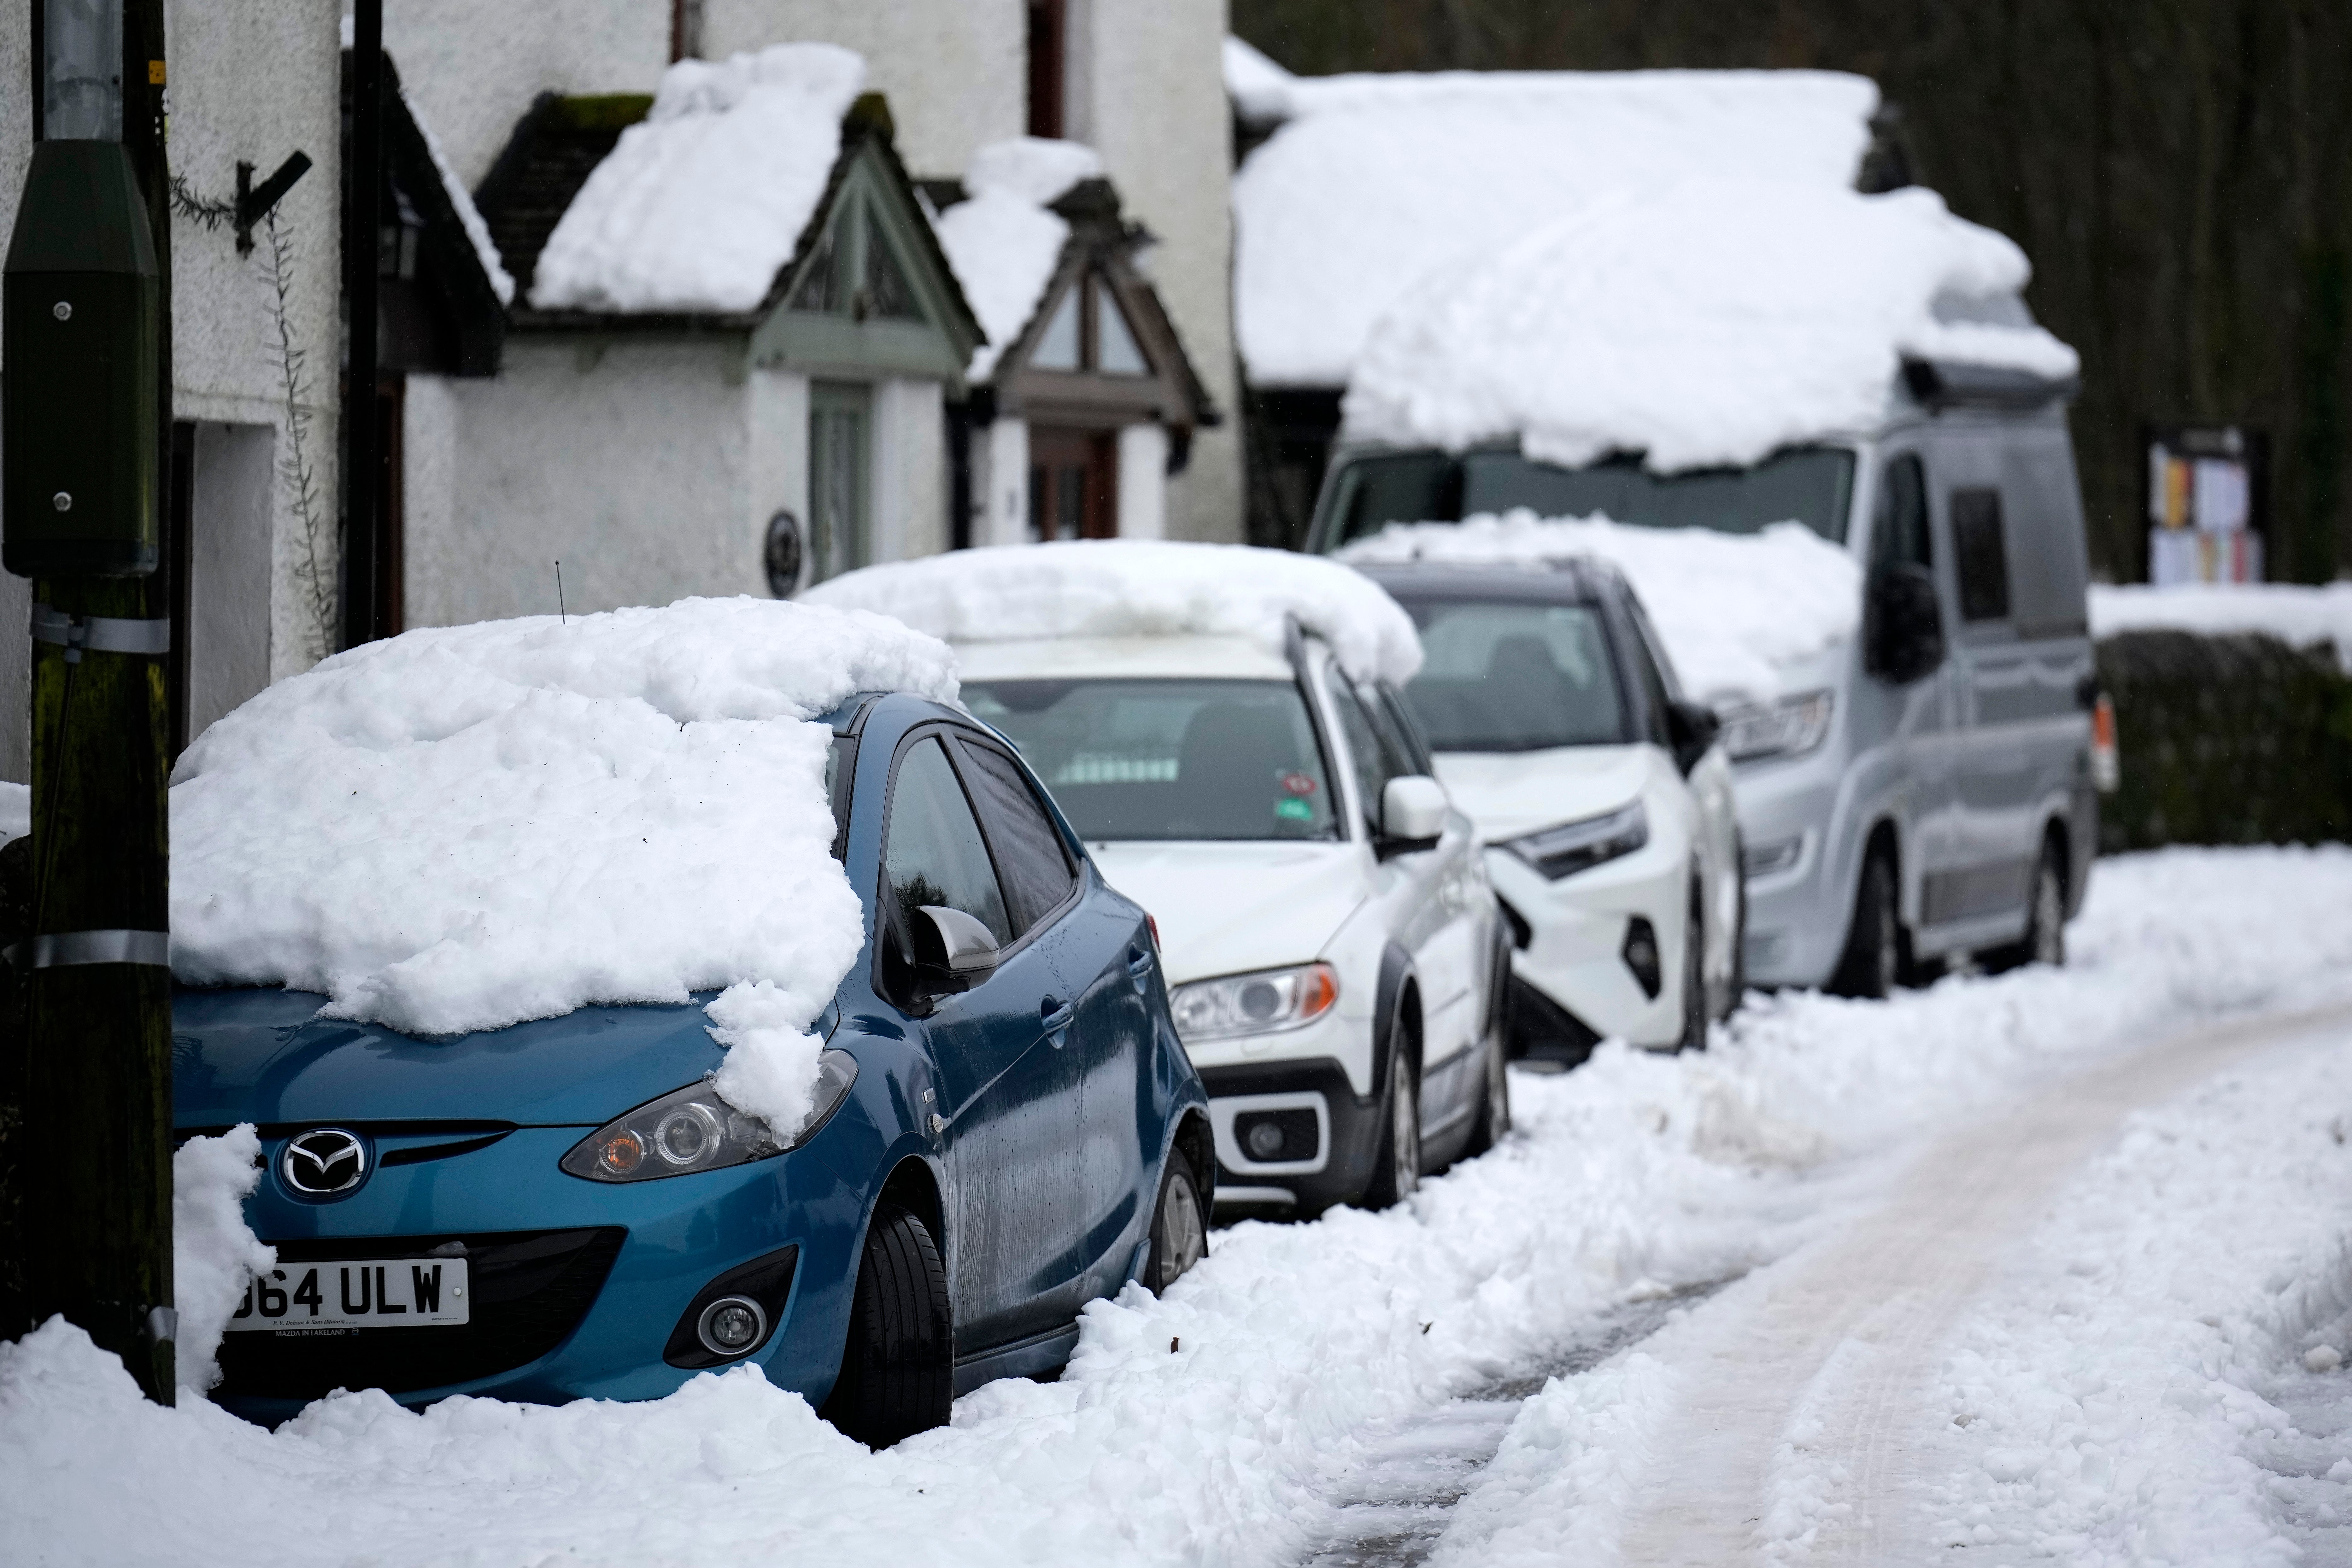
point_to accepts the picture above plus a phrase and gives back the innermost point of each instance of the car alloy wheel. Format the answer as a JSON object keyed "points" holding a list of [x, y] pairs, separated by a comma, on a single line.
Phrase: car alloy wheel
{"points": [[1694, 1035], [2047, 939], [1180, 1232]]}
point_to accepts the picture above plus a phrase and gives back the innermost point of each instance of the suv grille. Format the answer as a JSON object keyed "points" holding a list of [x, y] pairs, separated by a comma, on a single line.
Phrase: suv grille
{"points": [[531, 1289]]}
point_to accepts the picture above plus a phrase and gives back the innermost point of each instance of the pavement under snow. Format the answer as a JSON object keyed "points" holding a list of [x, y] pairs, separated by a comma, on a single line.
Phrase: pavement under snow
{"points": [[2052, 1265]]}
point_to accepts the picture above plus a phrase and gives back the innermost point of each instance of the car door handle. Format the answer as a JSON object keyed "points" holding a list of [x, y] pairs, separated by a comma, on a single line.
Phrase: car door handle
{"points": [[1055, 1016], [1139, 965]]}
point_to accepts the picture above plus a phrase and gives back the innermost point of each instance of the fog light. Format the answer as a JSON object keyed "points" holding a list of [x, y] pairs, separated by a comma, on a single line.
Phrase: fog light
{"points": [[731, 1325], [1640, 955], [1265, 1140]]}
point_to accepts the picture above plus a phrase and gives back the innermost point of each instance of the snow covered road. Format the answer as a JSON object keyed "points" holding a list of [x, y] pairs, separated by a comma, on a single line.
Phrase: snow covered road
{"points": [[1968, 1276]]}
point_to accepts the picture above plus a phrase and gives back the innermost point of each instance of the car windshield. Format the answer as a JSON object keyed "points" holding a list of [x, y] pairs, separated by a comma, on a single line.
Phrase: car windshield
{"points": [[1808, 485], [1514, 677], [1169, 758]]}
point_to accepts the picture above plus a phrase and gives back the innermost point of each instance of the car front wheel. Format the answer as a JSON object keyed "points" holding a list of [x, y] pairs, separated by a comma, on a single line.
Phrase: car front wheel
{"points": [[897, 1371], [1396, 1172]]}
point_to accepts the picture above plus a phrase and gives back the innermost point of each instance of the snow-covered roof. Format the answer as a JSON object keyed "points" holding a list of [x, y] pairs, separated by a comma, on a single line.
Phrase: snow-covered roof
{"points": [[1004, 239], [1738, 612], [701, 205], [1139, 588], [2294, 613], [1375, 180], [1703, 323], [469, 217], [462, 828]]}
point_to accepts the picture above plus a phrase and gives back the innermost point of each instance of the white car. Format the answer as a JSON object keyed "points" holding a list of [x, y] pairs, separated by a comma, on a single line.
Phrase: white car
{"points": [[1603, 795], [1333, 949]]}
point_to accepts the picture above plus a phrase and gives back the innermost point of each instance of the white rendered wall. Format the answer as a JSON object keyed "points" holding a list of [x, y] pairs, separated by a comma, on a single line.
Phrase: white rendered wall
{"points": [[1147, 91], [629, 463], [1003, 482], [1143, 481], [776, 469], [16, 592], [956, 71], [229, 551], [472, 67]]}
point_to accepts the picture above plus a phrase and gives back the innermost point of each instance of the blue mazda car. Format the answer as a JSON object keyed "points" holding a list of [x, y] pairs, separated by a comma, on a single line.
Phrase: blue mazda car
{"points": [[1006, 1127]]}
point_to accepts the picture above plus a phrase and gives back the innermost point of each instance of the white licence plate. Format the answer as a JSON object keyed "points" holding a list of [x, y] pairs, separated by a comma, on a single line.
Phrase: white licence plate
{"points": [[393, 1293]]}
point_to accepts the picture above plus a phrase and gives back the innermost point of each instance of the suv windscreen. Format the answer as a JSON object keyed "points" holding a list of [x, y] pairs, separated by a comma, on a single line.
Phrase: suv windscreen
{"points": [[1148, 758], [1809, 484], [1514, 677]]}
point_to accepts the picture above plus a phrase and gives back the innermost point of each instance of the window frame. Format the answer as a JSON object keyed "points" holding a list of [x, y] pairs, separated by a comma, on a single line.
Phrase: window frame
{"points": [[1072, 863]]}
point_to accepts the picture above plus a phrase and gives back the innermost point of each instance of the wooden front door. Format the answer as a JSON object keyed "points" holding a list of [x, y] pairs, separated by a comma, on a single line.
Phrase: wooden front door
{"points": [[1073, 483]]}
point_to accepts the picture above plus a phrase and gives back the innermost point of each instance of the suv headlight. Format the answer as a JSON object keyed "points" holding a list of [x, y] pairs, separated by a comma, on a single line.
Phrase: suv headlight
{"points": [[1580, 845], [692, 1129], [1262, 1003], [1789, 728]]}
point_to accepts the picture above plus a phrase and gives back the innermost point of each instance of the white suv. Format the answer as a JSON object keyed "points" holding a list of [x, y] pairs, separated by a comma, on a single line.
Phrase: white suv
{"points": [[1336, 959]]}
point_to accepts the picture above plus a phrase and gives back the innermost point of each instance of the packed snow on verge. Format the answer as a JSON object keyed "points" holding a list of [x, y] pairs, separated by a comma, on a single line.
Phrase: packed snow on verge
{"points": [[1003, 240], [2300, 615], [700, 205], [463, 828], [1212, 1425], [1139, 588], [1705, 323], [213, 1252], [1737, 611]]}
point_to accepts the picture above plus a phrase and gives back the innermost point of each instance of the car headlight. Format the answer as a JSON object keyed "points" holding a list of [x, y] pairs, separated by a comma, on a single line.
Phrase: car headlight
{"points": [[692, 1129], [1789, 728], [1254, 1004], [1580, 845]]}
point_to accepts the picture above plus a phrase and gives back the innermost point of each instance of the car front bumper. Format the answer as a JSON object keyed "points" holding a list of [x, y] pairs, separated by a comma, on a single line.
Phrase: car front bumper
{"points": [[1576, 929]]}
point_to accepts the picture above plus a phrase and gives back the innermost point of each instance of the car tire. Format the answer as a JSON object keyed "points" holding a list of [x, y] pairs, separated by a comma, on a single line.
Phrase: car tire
{"points": [[897, 1371], [1180, 1226], [1695, 998], [1873, 965], [2044, 941], [1396, 1161], [1494, 1123], [1737, 989]]}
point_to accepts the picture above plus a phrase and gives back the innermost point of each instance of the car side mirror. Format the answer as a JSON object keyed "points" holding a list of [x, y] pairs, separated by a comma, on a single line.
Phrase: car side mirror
{"points": [[950, 940], [1692, 727], [1901, 626], [1412, 813]]}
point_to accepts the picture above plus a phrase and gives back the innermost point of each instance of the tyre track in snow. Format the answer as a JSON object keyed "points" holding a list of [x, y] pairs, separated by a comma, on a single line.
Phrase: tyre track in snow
{"points": [[1808, 1383]]}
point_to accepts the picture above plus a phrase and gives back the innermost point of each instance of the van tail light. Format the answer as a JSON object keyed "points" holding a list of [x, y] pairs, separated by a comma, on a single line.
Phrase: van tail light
{"points": [[2106, 767]]}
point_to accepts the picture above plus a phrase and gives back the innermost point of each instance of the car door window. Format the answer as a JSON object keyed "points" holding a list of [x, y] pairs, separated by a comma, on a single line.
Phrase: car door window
{"points": [[1035, 867], [1373, 754], [1981, 554], [934, 853]]}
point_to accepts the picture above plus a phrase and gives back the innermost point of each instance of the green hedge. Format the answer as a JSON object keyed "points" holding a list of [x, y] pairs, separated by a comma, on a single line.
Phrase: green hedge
{"points": [[2226, 741]]}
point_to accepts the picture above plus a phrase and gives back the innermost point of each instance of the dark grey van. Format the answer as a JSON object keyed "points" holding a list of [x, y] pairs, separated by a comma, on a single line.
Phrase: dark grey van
{"points": [[1926, 792]]}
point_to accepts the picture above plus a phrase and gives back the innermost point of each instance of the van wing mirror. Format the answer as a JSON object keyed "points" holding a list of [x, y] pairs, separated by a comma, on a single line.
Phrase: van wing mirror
{"points": [[951, 940], [1902, 625], [1692, 727], [1413, 812]]}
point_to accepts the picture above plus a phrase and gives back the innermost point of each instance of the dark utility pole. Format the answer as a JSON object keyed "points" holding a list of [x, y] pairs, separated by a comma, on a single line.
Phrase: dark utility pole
{"points": [[87, 418], [362, 415]]}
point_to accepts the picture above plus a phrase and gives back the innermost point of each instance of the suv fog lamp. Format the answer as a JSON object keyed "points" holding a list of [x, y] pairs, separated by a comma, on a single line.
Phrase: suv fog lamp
{"points": [[1789, 728], [692, 1129], [1265, 1140], [1580, 845], [1641, 954], [731, 1325], [1254, 1004]]}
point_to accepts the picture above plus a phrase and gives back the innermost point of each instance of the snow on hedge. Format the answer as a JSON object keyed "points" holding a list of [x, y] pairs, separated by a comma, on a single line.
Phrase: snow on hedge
{"points": [[1377, 180], [1004, 239], [702, 204], [466, 827], [2292, 613], [1737, 611], [1707, 323], [1139, 588]]}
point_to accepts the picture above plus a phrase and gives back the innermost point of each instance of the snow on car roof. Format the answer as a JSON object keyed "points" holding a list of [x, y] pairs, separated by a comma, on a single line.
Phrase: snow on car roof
{"points": [[1738, 612], [1704, 324], [1114, 658], [1139, 588], [1376, 180], [1003, 240], [702, 204], [462, 828]]}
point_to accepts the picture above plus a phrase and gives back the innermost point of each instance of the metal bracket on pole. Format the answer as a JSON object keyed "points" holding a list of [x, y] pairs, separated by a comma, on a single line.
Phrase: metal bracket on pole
{"points": [[60, 949], [100, 633]]}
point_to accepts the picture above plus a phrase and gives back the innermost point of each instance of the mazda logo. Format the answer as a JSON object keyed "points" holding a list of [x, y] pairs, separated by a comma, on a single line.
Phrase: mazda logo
{"points": [[325, 1161]]}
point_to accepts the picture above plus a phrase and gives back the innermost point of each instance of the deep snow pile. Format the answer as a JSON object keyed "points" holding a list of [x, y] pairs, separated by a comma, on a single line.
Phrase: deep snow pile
{"points": [[213, 1252], [1378, 179], [16, 810], [1737, 611], [1004, 239], [2294, 613], [1209, 1426], [1702, 323], [701, 205], [1137, 588], [465, 827]]}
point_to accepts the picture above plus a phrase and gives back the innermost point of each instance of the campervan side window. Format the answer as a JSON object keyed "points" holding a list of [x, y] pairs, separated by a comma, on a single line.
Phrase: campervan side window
{"points": [[1981, 554]]}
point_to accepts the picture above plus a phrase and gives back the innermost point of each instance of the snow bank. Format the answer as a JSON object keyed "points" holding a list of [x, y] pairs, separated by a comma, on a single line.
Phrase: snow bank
{"points": [[1378, 180], [1003, 240], [1137, 588], [466, 827], [1707, 323], [213, 1252], [2294, 613], [16, 810], [699, 206], [1738, 612], [469, 217]]}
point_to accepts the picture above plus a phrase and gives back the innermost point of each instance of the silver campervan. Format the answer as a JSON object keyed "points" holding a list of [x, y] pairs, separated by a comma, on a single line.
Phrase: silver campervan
{"points": [[1926, 793]]}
